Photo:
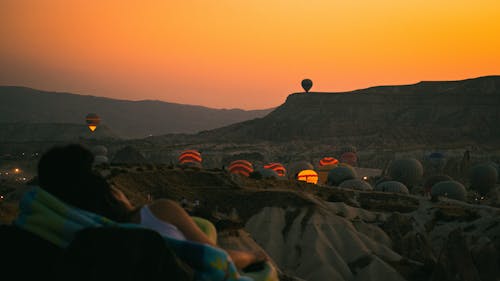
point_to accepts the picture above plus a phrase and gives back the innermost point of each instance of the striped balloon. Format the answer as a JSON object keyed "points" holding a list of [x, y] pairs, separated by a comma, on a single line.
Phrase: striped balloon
{"points": [[92, 121], [349, 157], [242, 167], [277, 167], [309, 176], [327, 161], [392, 186], [406, 170], [190, 157]]}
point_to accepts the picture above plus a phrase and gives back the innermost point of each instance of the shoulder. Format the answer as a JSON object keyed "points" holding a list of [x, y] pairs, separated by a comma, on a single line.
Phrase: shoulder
{"points": [[163, 204]]}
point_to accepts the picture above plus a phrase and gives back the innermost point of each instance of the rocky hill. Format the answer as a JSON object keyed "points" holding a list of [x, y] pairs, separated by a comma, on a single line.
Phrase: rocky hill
{"points": [[424, 113], [19, 133], [130, 119], [326, 233]]}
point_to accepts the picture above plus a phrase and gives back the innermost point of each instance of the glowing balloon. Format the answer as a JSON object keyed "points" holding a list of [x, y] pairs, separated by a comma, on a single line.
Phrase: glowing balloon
{"points": [[92, 121], [327, 161], [324, 167], [309, 176], [190, 157], [307, 84], [242, 167]]}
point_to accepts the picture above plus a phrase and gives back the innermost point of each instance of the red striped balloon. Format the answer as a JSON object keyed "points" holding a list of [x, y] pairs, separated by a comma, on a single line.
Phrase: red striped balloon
{"points": [[327, 161], [349, 157], [242, 167], [277, 167], [190, 156]]}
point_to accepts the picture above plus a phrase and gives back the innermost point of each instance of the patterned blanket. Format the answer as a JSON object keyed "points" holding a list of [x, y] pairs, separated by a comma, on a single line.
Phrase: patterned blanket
{"points": [[48, 217]]}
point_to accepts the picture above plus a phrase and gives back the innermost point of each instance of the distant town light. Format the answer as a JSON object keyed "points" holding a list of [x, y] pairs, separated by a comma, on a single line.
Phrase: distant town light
{"points": [[365, 178], [16, 170]]}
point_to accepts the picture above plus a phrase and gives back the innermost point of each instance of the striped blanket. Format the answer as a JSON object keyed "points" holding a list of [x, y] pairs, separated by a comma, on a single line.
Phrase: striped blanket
{"points": [[48, 217]]}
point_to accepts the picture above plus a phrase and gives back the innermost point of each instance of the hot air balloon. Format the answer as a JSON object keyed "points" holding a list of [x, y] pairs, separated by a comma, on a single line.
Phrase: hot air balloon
{"points": [[267, 173], [190, 158], [392, 186], [357, 184], [434, 179], [307, 84], [436, 162], [451, 189], [309, 176], [341, 173], [406, 170], [277, 167], [92, 121], [295, 167], [349, 157], [324, 167], [348, 148], [483, 177], [242, 167], [326, 161]]}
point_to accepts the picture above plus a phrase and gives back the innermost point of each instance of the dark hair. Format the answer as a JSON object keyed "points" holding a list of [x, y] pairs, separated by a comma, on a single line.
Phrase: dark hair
{"points": [[66, 172]]}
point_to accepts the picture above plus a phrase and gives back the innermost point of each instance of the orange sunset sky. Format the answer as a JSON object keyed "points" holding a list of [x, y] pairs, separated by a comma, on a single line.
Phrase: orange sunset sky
{"points": [[242, 54]]}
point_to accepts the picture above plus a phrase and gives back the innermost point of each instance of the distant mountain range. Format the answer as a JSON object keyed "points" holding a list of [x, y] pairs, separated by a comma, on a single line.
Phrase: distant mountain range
{"points": [[429, 112], [122, 118]]}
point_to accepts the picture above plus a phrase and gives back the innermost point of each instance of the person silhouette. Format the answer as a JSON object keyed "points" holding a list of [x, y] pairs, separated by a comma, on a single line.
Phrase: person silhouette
{"points": [[66, 172]]}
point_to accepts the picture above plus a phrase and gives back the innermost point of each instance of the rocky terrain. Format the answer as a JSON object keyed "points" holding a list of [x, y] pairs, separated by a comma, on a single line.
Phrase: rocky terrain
{"points": [[316, 232]]}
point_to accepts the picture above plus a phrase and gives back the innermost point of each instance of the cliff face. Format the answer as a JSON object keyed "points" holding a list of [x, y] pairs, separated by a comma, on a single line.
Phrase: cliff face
{"points": [[423, 112]]}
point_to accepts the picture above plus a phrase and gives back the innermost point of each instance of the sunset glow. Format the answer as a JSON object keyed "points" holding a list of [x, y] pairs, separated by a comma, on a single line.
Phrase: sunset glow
{"points": [[242, 54]]}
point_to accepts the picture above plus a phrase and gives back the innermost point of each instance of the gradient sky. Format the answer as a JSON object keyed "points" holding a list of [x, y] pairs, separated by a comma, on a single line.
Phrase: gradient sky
{"points": [[242, 54]]}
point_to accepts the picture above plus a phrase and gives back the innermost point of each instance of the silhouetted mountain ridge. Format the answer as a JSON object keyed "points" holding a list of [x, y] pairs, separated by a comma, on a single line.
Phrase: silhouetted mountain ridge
{"points": [[426, 112], [126, 118]]}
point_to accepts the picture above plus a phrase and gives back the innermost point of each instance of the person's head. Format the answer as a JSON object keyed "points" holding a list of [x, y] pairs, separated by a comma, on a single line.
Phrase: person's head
{"points": [[66, 172]]}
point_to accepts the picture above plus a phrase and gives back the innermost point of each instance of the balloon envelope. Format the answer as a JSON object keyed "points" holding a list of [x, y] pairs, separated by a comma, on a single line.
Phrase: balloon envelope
{"points": [[349, 157], [309, 176], [277, 167], [92, 121], [242, 167], [307, 84], [326, 161], [190, 158]]}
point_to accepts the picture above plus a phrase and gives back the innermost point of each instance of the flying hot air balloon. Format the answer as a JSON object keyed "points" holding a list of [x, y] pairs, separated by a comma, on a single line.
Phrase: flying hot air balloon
{"points": [[92, 121], [307, 84]]}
